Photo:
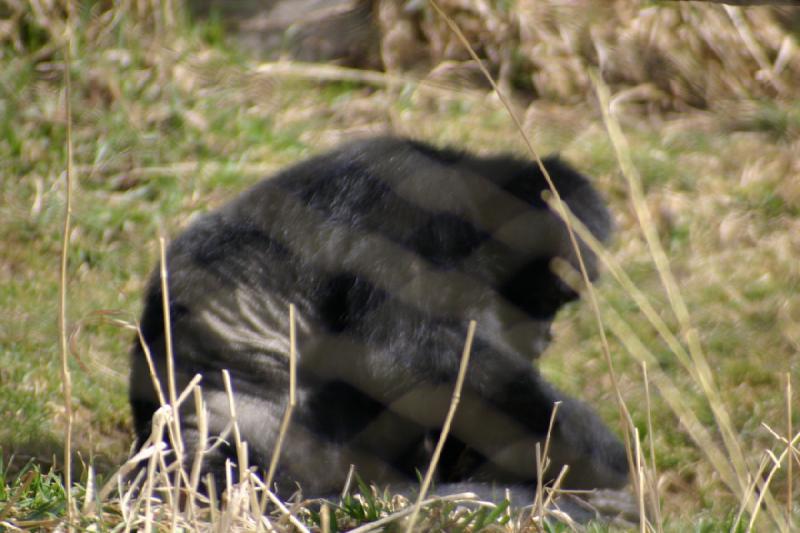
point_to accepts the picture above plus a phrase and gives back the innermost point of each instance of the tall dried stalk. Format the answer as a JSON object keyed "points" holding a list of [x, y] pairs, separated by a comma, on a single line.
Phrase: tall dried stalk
{"points": [[456, 398], [655, 500], [66, 377], [175, 423], [543, 463], [287, 414], [790, 456]]}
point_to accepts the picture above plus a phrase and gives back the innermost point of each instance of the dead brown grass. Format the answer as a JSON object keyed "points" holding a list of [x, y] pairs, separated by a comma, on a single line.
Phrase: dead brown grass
{"points": [[665, 56]]}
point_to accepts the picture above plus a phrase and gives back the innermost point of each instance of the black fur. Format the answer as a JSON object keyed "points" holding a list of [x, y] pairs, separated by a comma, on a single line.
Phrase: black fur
{"points": [[388, 247]]}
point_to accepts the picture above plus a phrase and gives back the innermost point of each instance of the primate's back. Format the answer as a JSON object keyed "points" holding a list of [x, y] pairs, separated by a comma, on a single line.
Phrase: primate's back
{"points": [[387, 247]]}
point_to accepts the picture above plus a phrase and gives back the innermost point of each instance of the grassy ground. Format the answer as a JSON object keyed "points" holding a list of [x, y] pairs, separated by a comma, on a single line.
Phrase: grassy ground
{"points": [[168, 122]]}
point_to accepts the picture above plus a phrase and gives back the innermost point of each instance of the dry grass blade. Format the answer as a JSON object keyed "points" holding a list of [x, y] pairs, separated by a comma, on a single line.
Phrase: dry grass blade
{"points": [[324, 72], [66, 377], [543, 463], [175, 425], [539, 500], [175, 169], [348, 481], [157, 435], [287, 414], [553, 490], [655, 500], [151, 367], [237, 436], [640, 474], [462, 372], [189, 388], [197, 463], [790, 460], [213, 499], [172, 395], [325, 518]]}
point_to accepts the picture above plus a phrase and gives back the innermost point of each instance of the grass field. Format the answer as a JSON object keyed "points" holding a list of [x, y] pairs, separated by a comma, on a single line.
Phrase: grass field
{"points": [[168, 121]]}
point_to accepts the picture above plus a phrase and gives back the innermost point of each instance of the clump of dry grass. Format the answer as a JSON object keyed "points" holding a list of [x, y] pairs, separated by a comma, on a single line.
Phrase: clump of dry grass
{"points": [[667, 56], [159, 488]]}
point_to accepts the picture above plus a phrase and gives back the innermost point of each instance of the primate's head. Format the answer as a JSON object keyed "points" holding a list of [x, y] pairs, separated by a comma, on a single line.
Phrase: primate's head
{"points": [[487, 218]]}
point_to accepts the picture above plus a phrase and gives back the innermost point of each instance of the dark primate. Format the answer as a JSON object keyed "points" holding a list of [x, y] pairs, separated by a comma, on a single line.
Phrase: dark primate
{"points": [[388, 247]]}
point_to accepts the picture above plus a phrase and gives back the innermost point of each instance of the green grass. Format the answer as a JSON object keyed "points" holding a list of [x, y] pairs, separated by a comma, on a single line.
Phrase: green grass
{"points": [[32, 499], [169, 125]]}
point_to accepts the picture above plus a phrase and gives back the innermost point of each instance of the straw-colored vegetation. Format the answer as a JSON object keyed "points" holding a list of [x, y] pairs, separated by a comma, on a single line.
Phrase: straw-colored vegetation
{"points": [[687, 115], [659, 55]]}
